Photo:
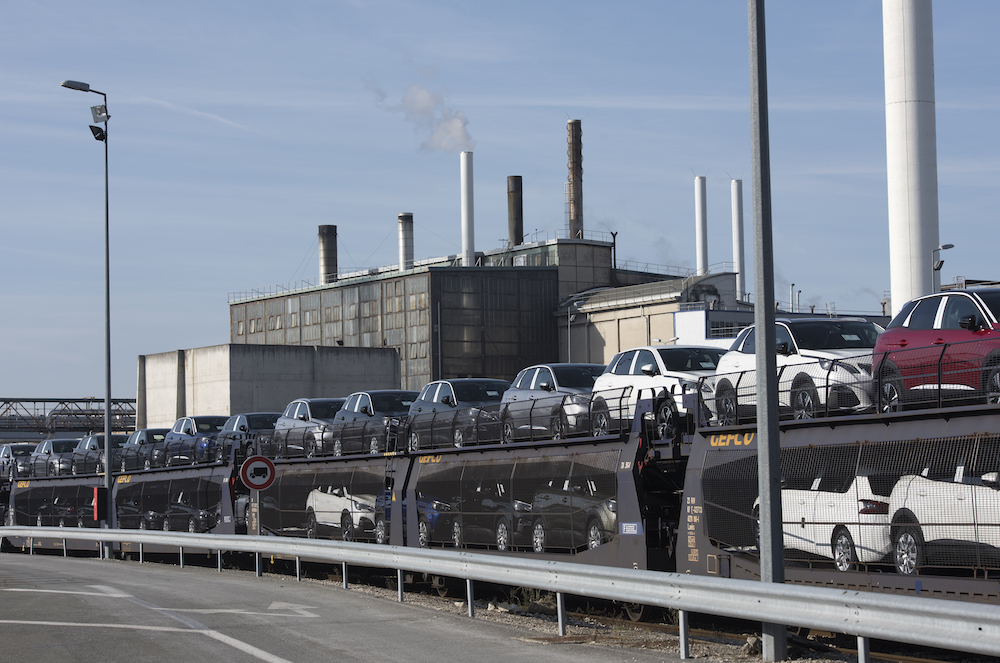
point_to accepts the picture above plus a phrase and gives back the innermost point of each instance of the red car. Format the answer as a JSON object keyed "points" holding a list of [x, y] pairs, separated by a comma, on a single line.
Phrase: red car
{"points": [[939, 349]]}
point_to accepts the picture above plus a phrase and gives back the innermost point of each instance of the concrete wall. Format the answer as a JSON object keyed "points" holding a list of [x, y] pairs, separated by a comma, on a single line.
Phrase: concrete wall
{"points": [[227, 379]]}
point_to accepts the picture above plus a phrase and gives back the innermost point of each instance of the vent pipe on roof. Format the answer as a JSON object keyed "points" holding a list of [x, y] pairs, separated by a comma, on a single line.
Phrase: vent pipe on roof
{"points": [[736, 187], [701, 224], [911, 147], [575, 185], [515, 211], [468, 222], [405, 241], [327, 254]]}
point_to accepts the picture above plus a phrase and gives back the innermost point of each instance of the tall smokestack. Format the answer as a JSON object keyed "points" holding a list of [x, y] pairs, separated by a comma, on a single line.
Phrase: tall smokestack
{"points": [[515, 211], [468, 222], [911, 146], [701, 224], [327, 254], [405, 241], [575, 140], [736, 186]]}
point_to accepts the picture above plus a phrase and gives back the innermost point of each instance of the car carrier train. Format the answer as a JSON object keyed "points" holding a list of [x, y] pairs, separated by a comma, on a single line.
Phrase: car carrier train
{"points": [[906, 503]]}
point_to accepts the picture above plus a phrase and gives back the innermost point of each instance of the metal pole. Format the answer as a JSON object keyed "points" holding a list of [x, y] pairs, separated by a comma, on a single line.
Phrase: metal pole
{"points": [[65, 554], [561, 612], [298, 568], [682, 632], [219, 560], [343, 567], [470, 597], [772, 563], [107, 329], [864, 650], [141, 555], [399, 585], [180, 551]]}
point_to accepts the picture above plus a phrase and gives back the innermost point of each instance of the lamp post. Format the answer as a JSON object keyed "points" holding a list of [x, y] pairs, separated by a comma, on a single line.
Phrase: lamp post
{"points": [[100, 114], [936, 266]]}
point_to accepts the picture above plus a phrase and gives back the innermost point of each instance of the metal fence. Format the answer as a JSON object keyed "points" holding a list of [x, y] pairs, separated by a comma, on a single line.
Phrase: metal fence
{"points": [[927, 622]]}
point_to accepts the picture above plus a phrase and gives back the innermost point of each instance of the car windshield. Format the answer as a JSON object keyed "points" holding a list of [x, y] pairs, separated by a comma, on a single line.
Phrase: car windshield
{"points": [[24, 451], [485, 391], [691, 359], [210, 424], [262, 421], [63, 446], [116, 440], [834, 334], [992, 300], [397, 401], [577, 376], [326, 409]]}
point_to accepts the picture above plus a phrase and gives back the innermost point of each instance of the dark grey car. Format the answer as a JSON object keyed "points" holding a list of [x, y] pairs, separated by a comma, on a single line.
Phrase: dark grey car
{"points": [[456, 412], [548, 401]]}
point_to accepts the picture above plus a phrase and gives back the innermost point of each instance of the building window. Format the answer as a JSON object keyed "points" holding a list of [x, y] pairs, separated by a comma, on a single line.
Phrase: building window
{"points": [[293, 320], [239, 328], [279, 321], [253, 323]]}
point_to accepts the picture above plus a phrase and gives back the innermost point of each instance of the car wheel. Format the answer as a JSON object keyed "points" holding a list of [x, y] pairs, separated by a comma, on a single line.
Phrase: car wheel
{"points": [[311, 451], [558, 429], [99, 467], [993, 385], [142, 524], [165, 525], [218, 456], [595, 537], [423, 533], [666, 420], [147, 465], [506, 430], [503, 536], [458, 438], [346, 527], [600, 421], [381, 532], [73, 469], [311, 525], [456, 533], [413, 441], [192, 525], [373, 445], [538, 537], [845, 556], [890, 391], [908, 547], [62, 522], [338, 447], [38, 520], [725, 405], [805, 401], [12, 474], [168, 460], [123, 467], [79, 521]]}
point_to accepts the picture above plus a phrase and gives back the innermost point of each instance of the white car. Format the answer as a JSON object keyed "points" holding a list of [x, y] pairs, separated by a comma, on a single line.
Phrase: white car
{"points": [[667, 374], [824, 366], [335, 507], [846, 523]]}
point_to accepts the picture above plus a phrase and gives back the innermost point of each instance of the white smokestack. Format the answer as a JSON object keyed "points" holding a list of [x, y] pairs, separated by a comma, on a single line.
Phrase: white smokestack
{"points": [[468, 222], [911, 146], [736, 187], [405, 241], [701, 224]]}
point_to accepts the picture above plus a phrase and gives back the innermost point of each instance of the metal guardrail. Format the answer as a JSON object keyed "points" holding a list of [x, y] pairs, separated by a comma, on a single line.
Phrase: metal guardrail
{"points": [[928, 622]]}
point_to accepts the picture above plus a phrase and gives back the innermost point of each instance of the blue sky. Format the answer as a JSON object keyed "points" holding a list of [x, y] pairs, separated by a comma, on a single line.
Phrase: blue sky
{"points": [[239, 127]]}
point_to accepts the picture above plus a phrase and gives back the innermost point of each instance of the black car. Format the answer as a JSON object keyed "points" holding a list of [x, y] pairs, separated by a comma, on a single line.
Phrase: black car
{"points": [[14, 459], [364, 423], [143, 449], [239, 432], [51, 457], [455, 412], [299, 425], [88, 455], [181, 442]]}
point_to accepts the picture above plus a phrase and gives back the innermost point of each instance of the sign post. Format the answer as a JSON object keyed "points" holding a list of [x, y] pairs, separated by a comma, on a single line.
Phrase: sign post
{"points": [[257, 473]]}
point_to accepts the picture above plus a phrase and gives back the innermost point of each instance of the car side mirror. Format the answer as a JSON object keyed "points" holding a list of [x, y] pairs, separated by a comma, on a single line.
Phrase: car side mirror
{"points": [[365, 410], [782, 349], [968, 322], [991, 477], [546, 386], [650, 370], [243, 427], [447, 400], [303, 417]]}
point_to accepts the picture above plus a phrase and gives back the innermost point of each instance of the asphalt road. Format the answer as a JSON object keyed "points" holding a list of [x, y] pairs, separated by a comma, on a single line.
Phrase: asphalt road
{"points": [[59, 610]]}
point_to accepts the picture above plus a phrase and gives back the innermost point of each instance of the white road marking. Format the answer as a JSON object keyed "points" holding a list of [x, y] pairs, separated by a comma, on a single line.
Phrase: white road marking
{"points": [[65, 591], [215, 635]]}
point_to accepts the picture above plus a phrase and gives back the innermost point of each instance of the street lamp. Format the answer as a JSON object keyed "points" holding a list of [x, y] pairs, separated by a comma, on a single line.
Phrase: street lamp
{"points": [[936, 266], [100, 114]]}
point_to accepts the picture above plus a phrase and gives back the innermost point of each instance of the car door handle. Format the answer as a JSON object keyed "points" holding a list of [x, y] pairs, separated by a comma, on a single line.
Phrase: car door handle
{"points": [[939, 341]]}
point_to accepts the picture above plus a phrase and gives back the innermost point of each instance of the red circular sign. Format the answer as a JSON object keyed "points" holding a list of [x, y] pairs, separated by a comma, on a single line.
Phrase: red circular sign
{"points": [[257, 472]]}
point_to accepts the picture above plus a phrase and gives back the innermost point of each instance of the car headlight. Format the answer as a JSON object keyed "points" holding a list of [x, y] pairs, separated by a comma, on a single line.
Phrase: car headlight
{"points": [[440, 506], [578, 399], [833, 364], [521, 507], [612, 505], [362, 506]]}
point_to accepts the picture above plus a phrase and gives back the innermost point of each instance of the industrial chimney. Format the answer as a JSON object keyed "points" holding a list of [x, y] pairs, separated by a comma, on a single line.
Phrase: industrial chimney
{"points": [[736, 187], [575, 185], [701, 224], [405, 241], [468, 223], [911, 147], [515, 211], [327, 254]]}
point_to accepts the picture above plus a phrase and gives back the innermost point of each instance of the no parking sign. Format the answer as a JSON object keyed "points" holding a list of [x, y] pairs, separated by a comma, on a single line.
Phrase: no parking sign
{"points": [[257, 472]]}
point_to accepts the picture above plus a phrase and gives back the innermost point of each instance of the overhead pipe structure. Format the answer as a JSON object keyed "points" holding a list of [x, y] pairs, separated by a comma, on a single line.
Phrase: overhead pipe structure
{"points": [[911, 147], [468, 221], [701, 224], [405, 241]]}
